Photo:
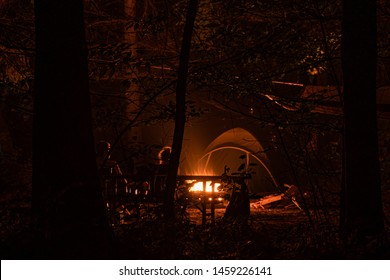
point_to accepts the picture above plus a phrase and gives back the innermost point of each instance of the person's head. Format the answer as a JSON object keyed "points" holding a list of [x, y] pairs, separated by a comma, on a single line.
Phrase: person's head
{"points": [[103, 148], [164, 155]]}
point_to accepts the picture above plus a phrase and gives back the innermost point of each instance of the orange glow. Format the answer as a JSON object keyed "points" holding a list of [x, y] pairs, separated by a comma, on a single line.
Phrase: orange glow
{"points": [[198, 187], [218, 199]]}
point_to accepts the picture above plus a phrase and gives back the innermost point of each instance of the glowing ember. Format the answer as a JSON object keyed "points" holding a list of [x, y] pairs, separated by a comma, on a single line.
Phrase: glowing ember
{"points": [[198, 187], [218, 199]]}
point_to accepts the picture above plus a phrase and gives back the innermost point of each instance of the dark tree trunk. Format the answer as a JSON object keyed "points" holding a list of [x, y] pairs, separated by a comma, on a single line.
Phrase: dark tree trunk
{"points": [[362, 212], [180, 118], [67, 203]]}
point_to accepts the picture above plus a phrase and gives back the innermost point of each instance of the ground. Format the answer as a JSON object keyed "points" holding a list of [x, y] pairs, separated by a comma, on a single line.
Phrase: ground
{"points": [[275, 233]]}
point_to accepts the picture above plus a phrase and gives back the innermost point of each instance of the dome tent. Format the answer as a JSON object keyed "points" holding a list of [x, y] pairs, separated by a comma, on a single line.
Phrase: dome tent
{"points": [[238, 150]]}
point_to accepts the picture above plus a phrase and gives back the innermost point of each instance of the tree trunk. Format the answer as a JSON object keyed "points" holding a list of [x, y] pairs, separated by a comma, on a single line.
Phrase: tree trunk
{"points": [[68, 207], [180, 118], [362, 212], [130, 105]]}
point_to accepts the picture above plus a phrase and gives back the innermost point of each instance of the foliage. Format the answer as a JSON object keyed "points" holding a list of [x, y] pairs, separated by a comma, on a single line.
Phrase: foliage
{"points": [[16, 75], [240, 49]]}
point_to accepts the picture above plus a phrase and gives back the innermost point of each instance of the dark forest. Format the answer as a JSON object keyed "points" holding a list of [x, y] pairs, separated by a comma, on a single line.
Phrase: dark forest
{"points": [[194, 129]]}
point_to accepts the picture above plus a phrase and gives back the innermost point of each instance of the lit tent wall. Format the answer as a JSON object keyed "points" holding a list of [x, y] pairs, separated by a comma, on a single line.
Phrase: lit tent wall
{"points": [[207, 149], [240, 151], [220, 138]]}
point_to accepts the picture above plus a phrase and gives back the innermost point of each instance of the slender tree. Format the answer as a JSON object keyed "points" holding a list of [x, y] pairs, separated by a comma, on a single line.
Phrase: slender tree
{"points": [[362, 212], [180, 117], [67, 204]]}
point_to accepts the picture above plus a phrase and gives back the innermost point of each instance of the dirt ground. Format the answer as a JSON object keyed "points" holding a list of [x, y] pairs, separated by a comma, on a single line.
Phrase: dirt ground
{"points": [[275, 233], [278, 232]]}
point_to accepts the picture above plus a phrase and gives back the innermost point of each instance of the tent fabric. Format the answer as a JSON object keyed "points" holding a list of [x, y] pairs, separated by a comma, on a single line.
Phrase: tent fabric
{"points": [[240, 138], [226, 149]]}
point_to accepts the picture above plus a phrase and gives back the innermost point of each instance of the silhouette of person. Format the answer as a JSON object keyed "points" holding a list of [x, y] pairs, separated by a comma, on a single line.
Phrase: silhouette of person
{"points": [[164, 155], [114, 183], [161, 171]]}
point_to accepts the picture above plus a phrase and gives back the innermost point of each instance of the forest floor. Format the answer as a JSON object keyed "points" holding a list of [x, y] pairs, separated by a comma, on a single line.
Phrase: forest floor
{"points": [[276, 233]]}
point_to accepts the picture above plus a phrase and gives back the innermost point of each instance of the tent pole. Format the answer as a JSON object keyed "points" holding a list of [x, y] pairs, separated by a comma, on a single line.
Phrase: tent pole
{"points": [[207, 162]]}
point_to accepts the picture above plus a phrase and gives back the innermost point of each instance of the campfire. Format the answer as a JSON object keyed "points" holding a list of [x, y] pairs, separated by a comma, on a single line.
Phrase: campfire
{"points": [[200, 186], [207, 188], [204, 190]]}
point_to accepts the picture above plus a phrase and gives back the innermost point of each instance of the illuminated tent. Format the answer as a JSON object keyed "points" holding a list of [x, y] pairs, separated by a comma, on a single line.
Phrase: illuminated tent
{"points": [[238, 150]]}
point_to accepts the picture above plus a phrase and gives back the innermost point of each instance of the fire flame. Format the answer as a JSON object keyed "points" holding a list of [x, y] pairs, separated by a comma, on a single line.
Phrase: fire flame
{"points": [[198, 187]]}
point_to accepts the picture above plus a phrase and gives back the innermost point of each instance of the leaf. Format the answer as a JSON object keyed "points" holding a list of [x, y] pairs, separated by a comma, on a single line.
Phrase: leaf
{"points": [[241, 167]]}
